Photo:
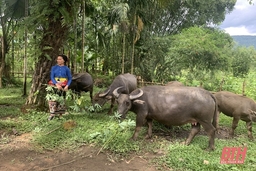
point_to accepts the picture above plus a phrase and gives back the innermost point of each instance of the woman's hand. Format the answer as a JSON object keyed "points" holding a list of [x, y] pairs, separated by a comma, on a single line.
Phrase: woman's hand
{"points": [[59, 87], [66, 88]]}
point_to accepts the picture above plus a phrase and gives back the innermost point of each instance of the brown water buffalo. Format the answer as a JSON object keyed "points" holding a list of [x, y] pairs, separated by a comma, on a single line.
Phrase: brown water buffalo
{"points": [[238, 107], [171, 106], [82, 82], [127, 82]]}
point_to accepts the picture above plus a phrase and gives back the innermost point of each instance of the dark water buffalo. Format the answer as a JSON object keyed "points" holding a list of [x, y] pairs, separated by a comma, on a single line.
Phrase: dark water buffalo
{"points": [[171, 106], [127, 82], [82, 82], [238, 107]]}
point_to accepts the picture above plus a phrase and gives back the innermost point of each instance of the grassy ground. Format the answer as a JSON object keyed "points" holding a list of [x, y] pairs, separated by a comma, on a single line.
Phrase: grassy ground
{"points": [[106, 132]]}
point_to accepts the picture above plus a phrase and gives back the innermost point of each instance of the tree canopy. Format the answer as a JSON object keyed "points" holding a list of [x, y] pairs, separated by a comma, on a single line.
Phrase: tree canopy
{"points": [[196, 50], [242, 60], [154, 39]]}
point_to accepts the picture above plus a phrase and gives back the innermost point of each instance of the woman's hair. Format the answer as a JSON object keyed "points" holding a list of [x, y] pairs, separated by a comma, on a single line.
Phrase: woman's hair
{"points": [[65, 58]]}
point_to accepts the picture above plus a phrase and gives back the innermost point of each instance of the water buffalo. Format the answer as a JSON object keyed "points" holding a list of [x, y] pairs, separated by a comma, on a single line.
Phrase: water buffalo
{"points": [[238, 107], [82, 82], [127, 81], [171, 106], [174, 83]]}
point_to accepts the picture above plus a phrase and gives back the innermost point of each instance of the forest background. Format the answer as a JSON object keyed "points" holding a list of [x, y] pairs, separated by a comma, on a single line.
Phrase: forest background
{"points": [[157, 40]]}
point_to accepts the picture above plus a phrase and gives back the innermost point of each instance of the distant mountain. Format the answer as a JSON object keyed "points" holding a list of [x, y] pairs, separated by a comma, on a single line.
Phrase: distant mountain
{"points": [[245, 40]]}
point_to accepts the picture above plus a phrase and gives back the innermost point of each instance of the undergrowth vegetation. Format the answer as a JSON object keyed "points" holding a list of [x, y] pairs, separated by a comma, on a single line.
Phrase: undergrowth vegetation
{"points": [[88, 125]]}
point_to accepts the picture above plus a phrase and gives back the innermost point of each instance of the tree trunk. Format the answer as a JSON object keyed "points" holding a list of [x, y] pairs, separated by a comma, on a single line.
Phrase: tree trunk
{"points": [[132, 60], [73, 59], [4, 69], [25, 54], [133, 41], [2, 57], [123, 53], [12, 58], [243, 90], [83, 29], [53, 37]]}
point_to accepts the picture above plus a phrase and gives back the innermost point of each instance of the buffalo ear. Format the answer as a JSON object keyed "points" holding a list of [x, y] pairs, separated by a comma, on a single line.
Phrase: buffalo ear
{"points": [[139, 102]]}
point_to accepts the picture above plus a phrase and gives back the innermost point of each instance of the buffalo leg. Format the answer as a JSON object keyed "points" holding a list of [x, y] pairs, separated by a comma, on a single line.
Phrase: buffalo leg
{"points": [[210, 130], [194, 130], [91, 96], [217, 122], [149, 135], [111, 106], [139, 123], [249, 128], [136, 133], [234, 125]]}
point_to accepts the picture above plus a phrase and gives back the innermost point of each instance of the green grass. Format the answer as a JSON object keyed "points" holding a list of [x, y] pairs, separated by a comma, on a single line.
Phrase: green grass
{"points": [[192, 157], [106, 132], [10, 104]]}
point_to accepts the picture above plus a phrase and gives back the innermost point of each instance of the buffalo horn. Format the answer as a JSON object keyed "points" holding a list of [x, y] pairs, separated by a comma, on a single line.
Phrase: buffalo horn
{"points": [[104, 94], [136, 95], [115, 92]]}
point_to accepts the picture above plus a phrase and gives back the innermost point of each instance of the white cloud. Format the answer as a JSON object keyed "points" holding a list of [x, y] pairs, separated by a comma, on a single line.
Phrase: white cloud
{"points": [[241, 4], [241, 21], [238, 31]]}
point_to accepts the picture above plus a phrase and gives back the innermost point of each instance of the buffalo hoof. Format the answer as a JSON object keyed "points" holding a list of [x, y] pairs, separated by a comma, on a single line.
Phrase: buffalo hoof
{"points": [[147, 137], [184, 143], [250, 138], [133, 139], [218, 131], [209, 149], [231, 136]]}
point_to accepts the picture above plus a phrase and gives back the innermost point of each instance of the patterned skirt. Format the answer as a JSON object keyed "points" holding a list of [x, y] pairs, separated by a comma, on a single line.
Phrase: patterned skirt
{"points": [[56, 107]]}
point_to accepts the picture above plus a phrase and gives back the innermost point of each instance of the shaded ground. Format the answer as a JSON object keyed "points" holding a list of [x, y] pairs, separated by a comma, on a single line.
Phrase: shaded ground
{"points": [[17, 154]]}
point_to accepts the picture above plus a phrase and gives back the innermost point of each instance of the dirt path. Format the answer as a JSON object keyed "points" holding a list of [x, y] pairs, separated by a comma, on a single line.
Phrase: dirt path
{"points": [[19, 155]]}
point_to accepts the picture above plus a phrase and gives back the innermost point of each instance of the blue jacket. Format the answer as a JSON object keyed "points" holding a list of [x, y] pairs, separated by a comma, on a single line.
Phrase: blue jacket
{"points": [[61, 72]]}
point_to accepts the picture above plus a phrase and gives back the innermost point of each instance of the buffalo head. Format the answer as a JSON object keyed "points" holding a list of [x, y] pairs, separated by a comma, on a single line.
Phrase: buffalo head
{"points": [[125, 101], [101, 98]]}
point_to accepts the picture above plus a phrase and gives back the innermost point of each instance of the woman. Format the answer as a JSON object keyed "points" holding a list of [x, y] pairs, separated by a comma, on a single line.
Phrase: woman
{"points": [[60, 78]]}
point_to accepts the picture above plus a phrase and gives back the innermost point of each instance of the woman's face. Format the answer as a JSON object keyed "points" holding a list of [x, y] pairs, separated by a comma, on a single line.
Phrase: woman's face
{"points": [[60, 60]]}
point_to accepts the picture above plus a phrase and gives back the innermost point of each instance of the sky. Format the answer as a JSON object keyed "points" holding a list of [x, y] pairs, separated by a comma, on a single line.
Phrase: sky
{"points": [[242, 20]]}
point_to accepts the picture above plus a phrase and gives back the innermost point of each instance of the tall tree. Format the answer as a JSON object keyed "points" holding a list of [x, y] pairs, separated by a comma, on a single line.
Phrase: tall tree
{"points": [[183, 14], [136, 23], [199, 49], [242, 60], [119, 17], [10, 11], [83, 33], [25, 53], [52, 18]]}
